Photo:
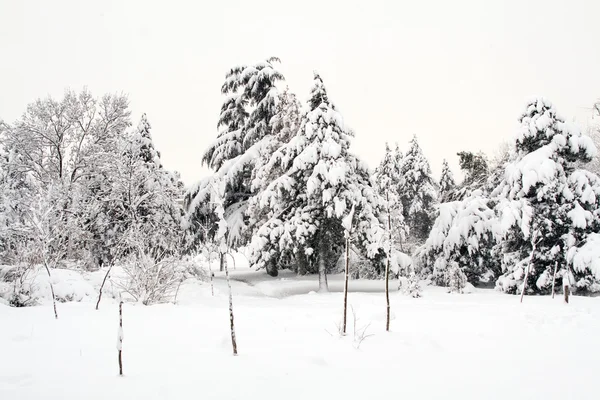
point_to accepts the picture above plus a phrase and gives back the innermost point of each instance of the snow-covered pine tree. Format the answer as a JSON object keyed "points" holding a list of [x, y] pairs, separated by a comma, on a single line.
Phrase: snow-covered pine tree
{"points": [[544, 199], [464, 234], [244, 133], [474, 167], [388, 182], [447, 183], [398, 161], [318, 182], [417, 192]]}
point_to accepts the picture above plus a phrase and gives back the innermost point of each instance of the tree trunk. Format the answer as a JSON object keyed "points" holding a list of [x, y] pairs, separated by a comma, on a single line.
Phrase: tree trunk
{"points": [[323, 287], [346, 273], [301, 262], [221, 263], [554, 277], [51, 289], [102, 286], [387, 267], [533, 244], [120, 338], [232, 326], [566, 286], [212, 288]]}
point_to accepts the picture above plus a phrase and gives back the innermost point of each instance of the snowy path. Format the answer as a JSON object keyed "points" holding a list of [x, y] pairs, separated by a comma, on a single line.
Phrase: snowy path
{"points": [[481, 345]]}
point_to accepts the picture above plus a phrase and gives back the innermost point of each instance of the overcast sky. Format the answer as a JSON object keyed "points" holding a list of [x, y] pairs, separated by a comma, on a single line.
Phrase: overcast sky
{"points": [[455, 73]]}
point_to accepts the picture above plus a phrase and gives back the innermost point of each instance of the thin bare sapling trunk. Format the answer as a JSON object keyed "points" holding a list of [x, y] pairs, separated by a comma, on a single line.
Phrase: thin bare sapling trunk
{"points": [[387, 266], [533, 245], [102, 286], [51, 288], [177, 290], [120, 338], [232, 326], [347, 222], [212, 288], [346, 273]]}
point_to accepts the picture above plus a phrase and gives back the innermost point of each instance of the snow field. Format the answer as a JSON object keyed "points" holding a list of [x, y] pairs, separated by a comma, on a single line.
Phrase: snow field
{"points": [[472, 346]]}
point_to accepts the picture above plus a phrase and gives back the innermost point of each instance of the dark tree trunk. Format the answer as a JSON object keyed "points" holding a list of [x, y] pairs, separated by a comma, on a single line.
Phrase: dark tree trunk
{"points": [[120, 339], [323, 287], [231, 324], [387, 267], [51, 289], [533, 244], [102, 287], [346, 273]]}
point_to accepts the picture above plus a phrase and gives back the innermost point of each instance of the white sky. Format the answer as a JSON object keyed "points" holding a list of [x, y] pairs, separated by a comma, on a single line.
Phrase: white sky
{"points": [[456, 73]]}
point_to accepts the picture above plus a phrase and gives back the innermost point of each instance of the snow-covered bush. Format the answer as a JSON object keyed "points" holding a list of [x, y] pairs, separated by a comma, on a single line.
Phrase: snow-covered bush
{"points": [[465, 233], [16, 285], [456, 280], [151, 281], [410, 286]]}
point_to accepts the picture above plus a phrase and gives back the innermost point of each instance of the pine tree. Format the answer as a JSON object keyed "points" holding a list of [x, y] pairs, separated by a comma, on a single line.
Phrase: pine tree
{"points": [[474, 166], [244, 133], [553, 202], [417, 192], [318, 182], [447, 183]]}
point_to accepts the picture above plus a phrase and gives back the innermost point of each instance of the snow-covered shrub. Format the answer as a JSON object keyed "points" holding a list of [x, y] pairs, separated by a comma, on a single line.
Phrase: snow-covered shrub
{"points": [[465, 233], [16, 285], [410, 286], [456, 279], [25, 285], [152, 281]]}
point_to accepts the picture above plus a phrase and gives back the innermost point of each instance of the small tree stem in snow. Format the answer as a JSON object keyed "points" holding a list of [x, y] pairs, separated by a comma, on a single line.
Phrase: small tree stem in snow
{"points": [[232, 326], [346, 273], [51, 289], [387, 266], [102, 286], [120, 338], [533, 242]]}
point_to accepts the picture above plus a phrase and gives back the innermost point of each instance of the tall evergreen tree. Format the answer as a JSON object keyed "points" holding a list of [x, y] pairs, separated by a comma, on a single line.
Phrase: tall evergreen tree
{"points": [[447, 183], [388, 182], [542, 217], [244, 133], [556, 206], [417, 192], [318, 182]]}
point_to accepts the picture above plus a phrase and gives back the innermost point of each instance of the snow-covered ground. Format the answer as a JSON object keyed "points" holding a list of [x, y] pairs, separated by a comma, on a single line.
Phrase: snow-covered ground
{"points": [[483, 345]]}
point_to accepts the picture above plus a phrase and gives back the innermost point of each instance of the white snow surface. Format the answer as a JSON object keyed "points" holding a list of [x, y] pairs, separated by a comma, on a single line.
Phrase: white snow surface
{"points": [[442, 345]]}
